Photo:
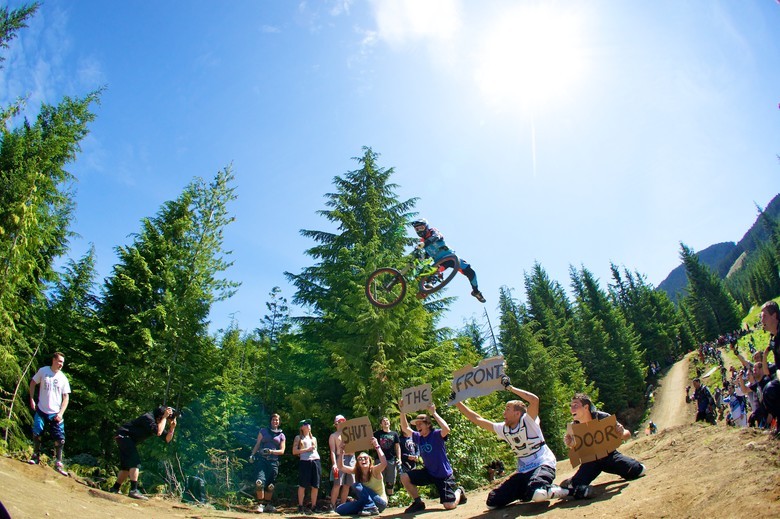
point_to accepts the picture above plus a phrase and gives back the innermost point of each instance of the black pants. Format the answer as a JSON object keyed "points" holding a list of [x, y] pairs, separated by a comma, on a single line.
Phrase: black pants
{"points": [[614, 463], [521, 486]]}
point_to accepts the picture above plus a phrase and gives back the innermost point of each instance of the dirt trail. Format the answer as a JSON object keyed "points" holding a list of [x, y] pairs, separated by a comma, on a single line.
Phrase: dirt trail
{"points": [[690, 473], [669, 408]]}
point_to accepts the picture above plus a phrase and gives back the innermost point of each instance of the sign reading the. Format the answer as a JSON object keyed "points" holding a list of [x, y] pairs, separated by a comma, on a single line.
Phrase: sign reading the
{"points": [[416, 398], [470, 381], [593, 440], [356, 434]]}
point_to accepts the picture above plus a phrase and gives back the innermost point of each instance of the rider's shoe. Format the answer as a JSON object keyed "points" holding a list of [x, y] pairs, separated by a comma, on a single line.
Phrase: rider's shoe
{"points": [[476, 293]]}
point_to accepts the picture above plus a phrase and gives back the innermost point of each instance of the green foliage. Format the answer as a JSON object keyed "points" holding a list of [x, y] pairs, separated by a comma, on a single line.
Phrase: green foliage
{"points": [[713, 310]]}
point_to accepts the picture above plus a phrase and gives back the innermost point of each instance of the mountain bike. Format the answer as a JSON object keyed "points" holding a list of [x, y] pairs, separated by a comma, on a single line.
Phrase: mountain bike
{"points": [[386, 286]]}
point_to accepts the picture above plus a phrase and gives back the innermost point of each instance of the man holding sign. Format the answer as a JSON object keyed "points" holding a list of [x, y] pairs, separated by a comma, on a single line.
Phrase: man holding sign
{"points": [[583, 411], [437, 470], [535, 461]]}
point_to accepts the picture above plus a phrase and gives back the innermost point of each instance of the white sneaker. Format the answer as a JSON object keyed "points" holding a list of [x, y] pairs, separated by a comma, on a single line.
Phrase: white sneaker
{"points": [[259, 509], [556, 492], [540, 495], [643, 472]]}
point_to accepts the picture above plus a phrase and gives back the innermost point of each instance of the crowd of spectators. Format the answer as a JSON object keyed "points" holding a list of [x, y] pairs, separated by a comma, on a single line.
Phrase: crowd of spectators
{"points": [[749, 392]]}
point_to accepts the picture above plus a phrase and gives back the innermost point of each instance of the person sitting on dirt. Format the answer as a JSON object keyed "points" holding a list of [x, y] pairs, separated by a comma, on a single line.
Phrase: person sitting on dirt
{"points": [[131, 434], [653, 428], [583, 411], [435, 247]]}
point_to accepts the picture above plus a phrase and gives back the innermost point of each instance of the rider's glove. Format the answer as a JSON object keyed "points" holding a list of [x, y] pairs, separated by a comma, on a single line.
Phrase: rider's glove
{"points": [[251, 458], [452, 396], [505, 381]]}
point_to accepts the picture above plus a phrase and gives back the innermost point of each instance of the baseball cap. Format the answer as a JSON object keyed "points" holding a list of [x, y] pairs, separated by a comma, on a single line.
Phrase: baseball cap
{"points": [[339, 418], [303, 422], [424, 418]]}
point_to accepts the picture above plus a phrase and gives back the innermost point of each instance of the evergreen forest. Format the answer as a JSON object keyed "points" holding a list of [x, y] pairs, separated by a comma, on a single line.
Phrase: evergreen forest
{"points": [[139, 338]]}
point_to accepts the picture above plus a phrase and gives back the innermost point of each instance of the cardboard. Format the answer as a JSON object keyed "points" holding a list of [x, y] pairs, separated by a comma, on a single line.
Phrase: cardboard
{"points": [[480, 380], [593, 440], [356, 434], [417, 398]]}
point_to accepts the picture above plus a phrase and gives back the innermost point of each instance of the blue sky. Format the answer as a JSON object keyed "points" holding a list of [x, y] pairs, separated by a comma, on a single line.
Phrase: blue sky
{"points": [[567, 133]]}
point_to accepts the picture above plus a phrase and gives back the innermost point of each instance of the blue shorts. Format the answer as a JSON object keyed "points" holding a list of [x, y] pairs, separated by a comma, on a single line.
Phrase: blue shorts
{"points": [[41, 421]]}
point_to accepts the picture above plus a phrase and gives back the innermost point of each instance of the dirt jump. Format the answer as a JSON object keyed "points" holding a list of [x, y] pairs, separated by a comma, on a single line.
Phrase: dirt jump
{"points": [[693, 470]]}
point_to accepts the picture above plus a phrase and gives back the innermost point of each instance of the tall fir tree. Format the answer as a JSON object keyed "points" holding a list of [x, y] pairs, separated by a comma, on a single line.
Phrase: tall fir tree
{"points": [[714, 311], [614, 360], [154, 347], [354, 346], [36, 207]]}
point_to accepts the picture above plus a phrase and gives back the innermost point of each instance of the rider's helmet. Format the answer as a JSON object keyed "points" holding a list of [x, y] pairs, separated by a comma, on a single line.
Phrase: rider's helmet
{"points": [[420, 226]]}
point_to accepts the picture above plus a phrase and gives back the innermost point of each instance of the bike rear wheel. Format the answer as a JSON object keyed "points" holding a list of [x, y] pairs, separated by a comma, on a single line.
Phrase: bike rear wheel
{"points": [[385, 288], [436, 282]]}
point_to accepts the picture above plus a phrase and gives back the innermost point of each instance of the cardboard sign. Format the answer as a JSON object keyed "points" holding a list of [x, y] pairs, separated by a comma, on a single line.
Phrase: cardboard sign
{"points": [[470, 381], [416, 398], [356, 434], [593, 440]]}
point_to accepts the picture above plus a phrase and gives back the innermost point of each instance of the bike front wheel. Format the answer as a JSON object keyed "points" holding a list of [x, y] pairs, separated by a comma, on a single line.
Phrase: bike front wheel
{"points": [[385, 288], [431, 284]]}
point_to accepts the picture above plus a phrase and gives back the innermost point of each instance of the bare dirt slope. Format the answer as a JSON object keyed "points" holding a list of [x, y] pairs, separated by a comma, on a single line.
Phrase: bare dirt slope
{"points": [[693, 470], [670, 408]]}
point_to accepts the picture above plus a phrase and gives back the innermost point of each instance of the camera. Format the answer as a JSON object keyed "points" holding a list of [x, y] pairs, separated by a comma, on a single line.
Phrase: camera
{"points": [[175, 413]]}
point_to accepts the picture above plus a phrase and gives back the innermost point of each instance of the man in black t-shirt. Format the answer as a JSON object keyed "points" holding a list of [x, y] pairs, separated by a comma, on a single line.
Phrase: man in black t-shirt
{"points": [[129, 435]]}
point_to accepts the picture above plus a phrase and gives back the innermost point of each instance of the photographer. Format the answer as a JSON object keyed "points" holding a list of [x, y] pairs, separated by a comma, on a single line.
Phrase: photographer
{"points": [[129, 435]]}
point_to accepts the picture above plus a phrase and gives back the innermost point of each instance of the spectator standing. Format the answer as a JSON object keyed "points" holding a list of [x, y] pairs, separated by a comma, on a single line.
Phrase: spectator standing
{"points": [[49, 412], [705, 403], [341, 480], [268, 448], [409, 454], [390, 443], [309, 467], [436, 469]]}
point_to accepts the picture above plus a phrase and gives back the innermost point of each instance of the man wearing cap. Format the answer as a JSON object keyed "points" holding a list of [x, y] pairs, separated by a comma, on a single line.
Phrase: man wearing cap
{"points": [[341, 481], [535, 474], [437, 469]]}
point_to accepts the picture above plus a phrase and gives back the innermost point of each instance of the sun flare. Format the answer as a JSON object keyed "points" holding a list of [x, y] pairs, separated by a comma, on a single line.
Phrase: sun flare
{"points": [[530, 56]]}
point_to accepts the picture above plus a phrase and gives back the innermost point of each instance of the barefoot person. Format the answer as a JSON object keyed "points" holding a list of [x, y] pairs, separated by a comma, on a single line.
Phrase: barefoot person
{"points": [[535, 461], [583, 411], [437, 470]]}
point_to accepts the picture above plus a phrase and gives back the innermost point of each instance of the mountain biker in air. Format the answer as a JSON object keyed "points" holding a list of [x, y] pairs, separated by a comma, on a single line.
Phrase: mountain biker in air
{"points": [[432, 242]]}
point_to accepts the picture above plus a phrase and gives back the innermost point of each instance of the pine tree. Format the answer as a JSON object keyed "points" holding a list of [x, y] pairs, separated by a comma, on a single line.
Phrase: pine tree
{"points": [[613, 360], [714, 311], [356, 350], [36, 206], [155, 348]]}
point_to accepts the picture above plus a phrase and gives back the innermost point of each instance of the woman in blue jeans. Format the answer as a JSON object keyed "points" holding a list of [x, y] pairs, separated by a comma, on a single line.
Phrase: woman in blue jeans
{"points": [[369, 484]]}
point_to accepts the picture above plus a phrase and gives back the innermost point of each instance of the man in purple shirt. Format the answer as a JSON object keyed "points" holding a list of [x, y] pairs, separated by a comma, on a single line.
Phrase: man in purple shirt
{"points": [[437, 469]]}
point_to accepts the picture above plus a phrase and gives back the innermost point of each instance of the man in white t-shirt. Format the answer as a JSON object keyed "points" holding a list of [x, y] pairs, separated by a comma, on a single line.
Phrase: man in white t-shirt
{"points": [[53, 398], [535, 474]]}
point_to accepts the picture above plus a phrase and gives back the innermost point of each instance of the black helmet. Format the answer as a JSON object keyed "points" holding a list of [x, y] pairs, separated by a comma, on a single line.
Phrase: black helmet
{"points": [[421, 222]]}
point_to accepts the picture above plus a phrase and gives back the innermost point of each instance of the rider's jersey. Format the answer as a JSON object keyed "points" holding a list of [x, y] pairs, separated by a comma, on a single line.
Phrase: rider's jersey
{"points": [[434, 245]]}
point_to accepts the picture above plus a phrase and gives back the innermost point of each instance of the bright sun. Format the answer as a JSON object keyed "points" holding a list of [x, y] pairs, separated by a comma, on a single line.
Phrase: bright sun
{"points": [[531, 55]]}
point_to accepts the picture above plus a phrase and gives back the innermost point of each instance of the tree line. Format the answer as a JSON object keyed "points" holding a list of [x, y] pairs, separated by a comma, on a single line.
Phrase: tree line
{"points": [[139, 338]]}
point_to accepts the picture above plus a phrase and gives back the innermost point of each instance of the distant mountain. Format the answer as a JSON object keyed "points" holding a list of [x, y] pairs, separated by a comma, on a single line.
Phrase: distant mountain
{"points": [[723, 258]]}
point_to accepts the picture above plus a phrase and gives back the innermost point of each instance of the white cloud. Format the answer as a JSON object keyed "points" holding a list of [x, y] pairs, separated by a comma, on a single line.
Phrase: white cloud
{"points": [[402, 21]]}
